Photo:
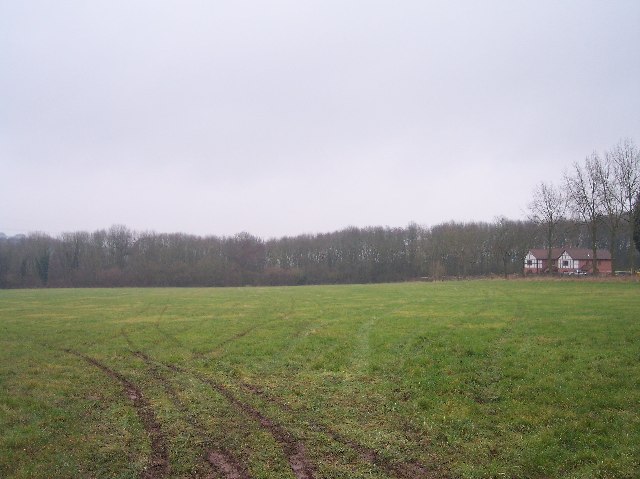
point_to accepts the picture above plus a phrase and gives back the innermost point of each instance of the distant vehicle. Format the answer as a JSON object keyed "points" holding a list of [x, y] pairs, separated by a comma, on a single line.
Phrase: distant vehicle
{"points": [[577, 272], [622, 273]]}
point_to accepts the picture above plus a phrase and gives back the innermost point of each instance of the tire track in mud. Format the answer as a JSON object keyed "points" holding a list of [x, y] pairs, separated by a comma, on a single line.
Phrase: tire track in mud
{"points": [[219, 458], [158, 463], [405, 470], [293, 449]]}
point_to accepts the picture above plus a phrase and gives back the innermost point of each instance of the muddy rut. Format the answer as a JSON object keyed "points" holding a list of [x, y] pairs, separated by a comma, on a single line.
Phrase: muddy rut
{"points": [[405, 470], [226, 464], [293, 449], [223, 461], [158, 463]]}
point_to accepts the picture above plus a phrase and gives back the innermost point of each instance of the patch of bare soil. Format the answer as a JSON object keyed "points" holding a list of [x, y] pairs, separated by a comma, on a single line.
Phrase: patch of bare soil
{"points": [[225, 462], [158, 464]]}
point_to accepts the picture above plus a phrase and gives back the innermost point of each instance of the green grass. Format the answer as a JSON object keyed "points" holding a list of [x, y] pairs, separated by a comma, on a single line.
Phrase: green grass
{"points": [[504, 379]]}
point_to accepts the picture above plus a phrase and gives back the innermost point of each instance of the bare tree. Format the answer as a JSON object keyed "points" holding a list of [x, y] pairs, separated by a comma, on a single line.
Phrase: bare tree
{"points": [[625, 157], [636, 223], [119, 241], [583, 195], [611, 199], [547, 209], [504, 242]]}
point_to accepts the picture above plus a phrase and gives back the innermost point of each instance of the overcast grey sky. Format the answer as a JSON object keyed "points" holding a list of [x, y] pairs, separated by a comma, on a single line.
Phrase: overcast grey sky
{"points": [[285, 117]]}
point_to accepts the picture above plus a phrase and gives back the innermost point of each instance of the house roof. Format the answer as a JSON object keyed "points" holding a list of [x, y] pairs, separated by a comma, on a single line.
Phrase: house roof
{"points": [[575, 253], [586, 253], [540, 253]]}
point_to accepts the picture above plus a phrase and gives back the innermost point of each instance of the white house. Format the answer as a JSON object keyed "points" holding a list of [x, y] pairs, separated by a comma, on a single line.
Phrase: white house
{"points": [[564, 260]]}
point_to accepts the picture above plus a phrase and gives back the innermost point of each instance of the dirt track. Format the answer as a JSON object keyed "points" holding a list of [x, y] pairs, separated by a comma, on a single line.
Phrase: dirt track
{"points": [[158, 463], [223, 462], [219, 458], [293, 449], [409, 470]]}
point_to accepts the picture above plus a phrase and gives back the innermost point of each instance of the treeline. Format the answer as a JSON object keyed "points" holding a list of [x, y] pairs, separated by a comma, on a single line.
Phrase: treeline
{"points": [[597, 206], [119, 256]]}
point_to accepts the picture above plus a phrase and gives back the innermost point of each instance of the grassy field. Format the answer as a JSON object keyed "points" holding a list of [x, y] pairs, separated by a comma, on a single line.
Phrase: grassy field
{"points": [[504, 379]]}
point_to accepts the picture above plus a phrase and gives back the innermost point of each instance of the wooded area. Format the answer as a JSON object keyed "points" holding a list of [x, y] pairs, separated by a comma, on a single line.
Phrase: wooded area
{"points": [[122, 257], [597, 206]]}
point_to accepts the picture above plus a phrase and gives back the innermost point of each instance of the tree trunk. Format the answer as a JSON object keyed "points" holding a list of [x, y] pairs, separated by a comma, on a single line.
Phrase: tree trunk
{"points": [[612, 248], [594, 261], [549, 238], [632, 253]]}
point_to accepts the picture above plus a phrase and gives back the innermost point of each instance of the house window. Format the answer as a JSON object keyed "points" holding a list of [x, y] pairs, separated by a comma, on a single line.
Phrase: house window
{"points": [[565, 263], [529, 262]]}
